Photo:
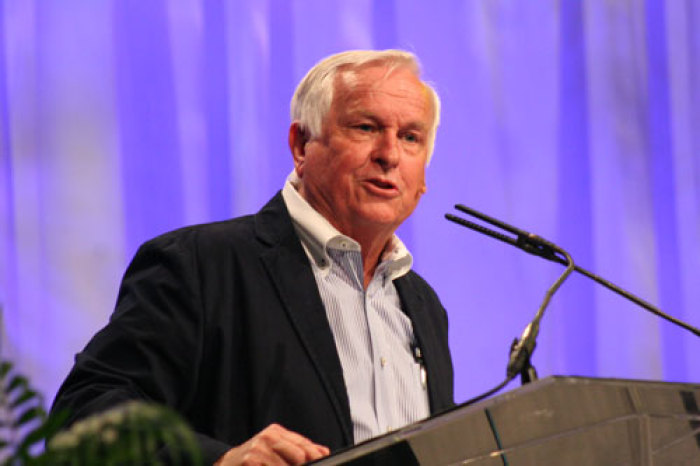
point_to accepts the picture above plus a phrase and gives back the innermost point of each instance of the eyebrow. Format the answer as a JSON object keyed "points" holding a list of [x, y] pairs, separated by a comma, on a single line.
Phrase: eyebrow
{"points": [[412, 125]]}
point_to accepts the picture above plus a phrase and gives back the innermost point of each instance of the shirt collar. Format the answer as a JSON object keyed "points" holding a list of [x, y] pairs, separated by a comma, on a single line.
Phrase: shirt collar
{"points": [[317, 235]]}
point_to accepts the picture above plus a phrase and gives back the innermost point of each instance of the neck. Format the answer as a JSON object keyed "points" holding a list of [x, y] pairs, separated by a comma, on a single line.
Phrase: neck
{"points": [[372, 248], [373, 239]]}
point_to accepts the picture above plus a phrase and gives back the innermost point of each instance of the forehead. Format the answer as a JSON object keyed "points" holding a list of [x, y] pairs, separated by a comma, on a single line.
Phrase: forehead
{"points": [[380, 84]]}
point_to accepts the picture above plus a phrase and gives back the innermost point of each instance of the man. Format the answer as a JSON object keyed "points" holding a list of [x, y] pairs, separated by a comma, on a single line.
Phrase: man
{"points": [[299, 330]]}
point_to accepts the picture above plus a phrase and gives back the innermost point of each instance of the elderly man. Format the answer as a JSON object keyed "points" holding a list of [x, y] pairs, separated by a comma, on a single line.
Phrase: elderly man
{"points": [[290, 333]]}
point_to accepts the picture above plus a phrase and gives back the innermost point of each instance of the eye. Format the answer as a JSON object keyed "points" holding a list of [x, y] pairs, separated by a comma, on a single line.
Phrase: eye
{"points": [[411, 137], [365, 127]]}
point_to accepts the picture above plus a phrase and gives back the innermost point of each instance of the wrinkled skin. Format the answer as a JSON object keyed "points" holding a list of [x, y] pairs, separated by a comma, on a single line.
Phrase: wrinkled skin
{"points": [[366, 172]]}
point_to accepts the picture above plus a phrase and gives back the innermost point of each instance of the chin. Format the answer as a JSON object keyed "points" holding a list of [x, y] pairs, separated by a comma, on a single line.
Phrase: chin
{"points": [[382, 214], [382, 219]]}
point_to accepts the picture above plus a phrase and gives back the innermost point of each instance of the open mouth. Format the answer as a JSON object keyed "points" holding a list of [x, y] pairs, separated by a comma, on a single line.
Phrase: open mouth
{"points": [[382, 187], [382, 184]]}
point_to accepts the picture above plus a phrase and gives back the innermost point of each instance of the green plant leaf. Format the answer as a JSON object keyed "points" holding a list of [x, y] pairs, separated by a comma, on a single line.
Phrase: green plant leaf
{"points": [[40, 433], [55, 422], [131, 433], [21, 417], [35, 412], [16, 382], [5, 367], [26, 396]]}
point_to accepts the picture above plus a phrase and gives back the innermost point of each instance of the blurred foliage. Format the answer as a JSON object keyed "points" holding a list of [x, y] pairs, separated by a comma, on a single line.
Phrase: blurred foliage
{"points": [[133, 433], [24, 424]]}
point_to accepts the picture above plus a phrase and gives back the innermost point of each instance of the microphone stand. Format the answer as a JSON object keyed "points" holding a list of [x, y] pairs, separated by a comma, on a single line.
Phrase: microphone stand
{"points": [[547, 252], [522, 349], [528, 373]]}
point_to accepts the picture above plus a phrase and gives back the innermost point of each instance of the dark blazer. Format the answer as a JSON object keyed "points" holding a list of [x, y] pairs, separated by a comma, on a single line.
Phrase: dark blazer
{"points": [[224, 323]]}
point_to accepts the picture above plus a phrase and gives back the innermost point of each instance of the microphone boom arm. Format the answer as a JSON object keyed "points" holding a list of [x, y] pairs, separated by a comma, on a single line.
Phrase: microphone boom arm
{"points": [[523, 348], [537, 246]]}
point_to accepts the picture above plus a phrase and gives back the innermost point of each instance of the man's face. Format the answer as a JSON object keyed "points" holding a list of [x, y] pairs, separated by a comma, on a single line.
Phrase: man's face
{"points": [[366, 172]]}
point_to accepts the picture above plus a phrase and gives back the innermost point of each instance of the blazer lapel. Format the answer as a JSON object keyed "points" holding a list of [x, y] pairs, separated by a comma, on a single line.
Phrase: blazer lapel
{"points": [[289, 269], [427, 336]]}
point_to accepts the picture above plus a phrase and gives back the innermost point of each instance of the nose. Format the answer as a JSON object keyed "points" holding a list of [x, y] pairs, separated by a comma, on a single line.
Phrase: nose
{"points": [[387, 151]]}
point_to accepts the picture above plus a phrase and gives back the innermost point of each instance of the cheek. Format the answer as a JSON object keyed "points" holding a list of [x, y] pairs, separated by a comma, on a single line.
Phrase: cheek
{"points": [[414, 177]]}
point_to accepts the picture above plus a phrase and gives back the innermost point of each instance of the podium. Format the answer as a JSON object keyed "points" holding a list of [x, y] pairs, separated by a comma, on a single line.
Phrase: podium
{"points": [[553, 421]]}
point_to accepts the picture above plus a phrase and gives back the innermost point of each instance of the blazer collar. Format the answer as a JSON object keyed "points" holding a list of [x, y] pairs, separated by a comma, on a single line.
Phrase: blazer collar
{"points": [[413, 304], [288, 267]]}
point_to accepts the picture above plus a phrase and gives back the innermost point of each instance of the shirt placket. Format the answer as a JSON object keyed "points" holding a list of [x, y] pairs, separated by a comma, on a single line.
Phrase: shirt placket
{"points": [[380, 358], [353, 264]]}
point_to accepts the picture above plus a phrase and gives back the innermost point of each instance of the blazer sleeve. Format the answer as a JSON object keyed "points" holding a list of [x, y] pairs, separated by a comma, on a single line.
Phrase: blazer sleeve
{"points": [[151, 349]]}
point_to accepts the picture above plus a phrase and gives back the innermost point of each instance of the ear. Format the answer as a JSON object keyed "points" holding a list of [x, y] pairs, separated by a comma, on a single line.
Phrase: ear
{"points": [[297, 145]]}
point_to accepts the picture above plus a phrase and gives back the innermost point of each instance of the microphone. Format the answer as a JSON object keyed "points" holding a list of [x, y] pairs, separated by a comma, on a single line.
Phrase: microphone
{"points": [[522, 349], [533, 244]]}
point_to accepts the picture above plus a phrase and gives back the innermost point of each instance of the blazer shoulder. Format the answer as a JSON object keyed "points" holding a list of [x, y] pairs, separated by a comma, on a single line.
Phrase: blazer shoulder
{"points": [[203, 237], [247, 234]]}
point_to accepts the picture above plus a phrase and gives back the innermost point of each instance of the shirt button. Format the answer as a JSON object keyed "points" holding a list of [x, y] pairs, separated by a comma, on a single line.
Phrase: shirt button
{"points": [[382, 361]]}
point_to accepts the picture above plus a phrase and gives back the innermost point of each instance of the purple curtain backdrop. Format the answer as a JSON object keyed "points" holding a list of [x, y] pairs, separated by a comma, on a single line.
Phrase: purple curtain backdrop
{"points": [[578, 120]]}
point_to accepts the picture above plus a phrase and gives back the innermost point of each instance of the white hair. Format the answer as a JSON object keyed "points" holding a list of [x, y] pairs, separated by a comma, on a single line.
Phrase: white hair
{"points": [[314, 95]]}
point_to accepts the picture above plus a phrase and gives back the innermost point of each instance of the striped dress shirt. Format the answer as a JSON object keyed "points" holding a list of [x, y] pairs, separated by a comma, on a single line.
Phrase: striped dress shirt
{"points": [[385, 382]]}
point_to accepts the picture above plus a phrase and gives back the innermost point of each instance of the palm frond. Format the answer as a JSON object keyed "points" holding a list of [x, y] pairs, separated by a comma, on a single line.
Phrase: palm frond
{"points": [[22, 416]]}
